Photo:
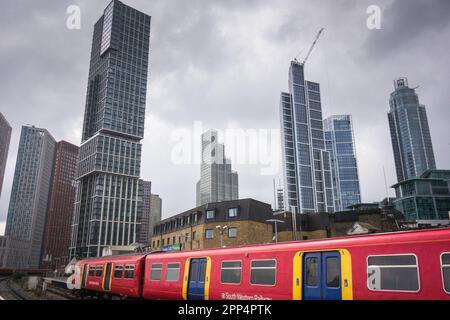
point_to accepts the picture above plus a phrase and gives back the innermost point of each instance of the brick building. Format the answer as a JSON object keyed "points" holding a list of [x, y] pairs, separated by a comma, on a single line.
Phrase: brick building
{"points": [[245, 220], [61, 208]]}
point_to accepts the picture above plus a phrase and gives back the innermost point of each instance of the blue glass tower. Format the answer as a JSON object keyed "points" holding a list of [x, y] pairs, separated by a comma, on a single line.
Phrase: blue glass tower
{"points": [[306, 163], [410, 134], [340, 143], [108, 205]]}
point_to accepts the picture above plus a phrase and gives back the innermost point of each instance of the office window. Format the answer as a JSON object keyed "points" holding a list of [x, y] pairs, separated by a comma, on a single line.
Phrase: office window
{"points": [[232, 232], [263, 272], [210, 214], [173, 272], [118, 271], [393, 273], [231, 272], [209, 233], [232, 212], [156, 271], [129, 272]]}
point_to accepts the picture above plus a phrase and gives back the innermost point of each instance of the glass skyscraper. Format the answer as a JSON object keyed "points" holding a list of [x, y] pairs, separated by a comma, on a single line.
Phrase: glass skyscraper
{"points": [[410, 134], [306, 163], [108, 205], [340, 143], [5, 137], [217, 181], [29, 200]]}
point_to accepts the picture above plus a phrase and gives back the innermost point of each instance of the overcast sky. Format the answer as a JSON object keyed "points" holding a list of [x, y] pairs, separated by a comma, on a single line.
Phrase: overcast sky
{"points": [[224, 63]]}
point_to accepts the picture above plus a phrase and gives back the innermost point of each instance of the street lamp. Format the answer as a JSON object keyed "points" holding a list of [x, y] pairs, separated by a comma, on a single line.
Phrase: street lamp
{"points": [[221, 230], [276, 228]]}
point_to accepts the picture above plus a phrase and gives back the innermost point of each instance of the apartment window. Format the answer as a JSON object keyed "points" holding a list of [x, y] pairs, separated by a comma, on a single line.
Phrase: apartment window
{"points": [[209, 234], [118, 271], [155, 273], [393, 273], [173, 272], [194, 233], [129, 272], [231, 272], [232, 212], [210, 214], [232, 232], [263, 272], [445, 263]]}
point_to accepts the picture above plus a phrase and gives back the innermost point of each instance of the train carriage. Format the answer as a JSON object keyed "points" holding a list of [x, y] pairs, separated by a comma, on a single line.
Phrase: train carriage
{"points": [[402, 265]]}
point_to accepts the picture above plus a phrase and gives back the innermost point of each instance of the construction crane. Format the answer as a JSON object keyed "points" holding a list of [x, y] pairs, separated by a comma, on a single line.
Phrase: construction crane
{"points": [[312, 47]]}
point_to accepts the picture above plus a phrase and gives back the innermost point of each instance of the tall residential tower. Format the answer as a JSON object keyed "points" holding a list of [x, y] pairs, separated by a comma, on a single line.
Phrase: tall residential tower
{"points": [[340, 143], [410, 134], [28, 205], [217, 181], [108, 205], [5, 137], [306, 163]]}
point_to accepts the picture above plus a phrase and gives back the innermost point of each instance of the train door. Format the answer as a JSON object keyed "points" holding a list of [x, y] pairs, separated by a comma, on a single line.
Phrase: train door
{"points": [[84, 275], [107, 277], [322, 276], [197, 277]]}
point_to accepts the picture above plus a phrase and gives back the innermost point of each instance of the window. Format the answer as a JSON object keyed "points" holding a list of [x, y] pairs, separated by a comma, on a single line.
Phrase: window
{"points": [[91, 271], [232, 212], [209, 234], [445, 263], [311, 272], [99, 271], [232, 232], [129, 272], [210, 214], [118, 271], [173, 272], [263, 272], [156, 271], [231, 272], [393, 273], [333, 272]]}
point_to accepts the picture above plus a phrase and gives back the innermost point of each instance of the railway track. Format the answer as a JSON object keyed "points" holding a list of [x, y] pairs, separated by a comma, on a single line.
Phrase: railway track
{"points": [[8, 292]]}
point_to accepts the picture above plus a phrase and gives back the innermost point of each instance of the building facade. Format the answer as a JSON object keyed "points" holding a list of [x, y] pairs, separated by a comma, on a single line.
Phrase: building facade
{"points": [[5, 138], [340, 143], [3, 251], [218, 182], [425, 198], [306, 163], [28, 205], [155, 212], [61, 207], [410, 134], [144, 234], [245, 222], [108, 205]]}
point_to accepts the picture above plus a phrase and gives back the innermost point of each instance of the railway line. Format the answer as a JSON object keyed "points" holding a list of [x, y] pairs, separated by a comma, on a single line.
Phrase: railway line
{"points": [[8, 292]]}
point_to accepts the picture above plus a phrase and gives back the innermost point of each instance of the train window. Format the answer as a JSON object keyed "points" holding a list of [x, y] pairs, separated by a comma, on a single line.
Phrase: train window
{"points": [[393, 273], [118, 271], [263, 272], [99, 271], [333, 272], [129, 272], [173, 271], [445, 262], [91, 271], [312, 272], [156, 271], [231, 272]]}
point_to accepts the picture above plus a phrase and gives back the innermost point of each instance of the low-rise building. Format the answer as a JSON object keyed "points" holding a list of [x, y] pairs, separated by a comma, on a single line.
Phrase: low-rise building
{"points": [[233, 223], [425, 199]]}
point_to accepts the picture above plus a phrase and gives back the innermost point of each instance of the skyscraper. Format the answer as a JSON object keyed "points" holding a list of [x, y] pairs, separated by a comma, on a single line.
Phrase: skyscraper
{"points": [[410, 134], [340, 143], [306, 163], [108, 205], [60, 213], [217, 181], [29, 198], [144, 234], [155, 212], [5, 137]]}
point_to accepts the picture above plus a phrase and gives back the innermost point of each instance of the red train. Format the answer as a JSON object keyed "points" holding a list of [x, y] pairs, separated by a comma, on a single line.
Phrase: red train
{"points": [[402, 265]]}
